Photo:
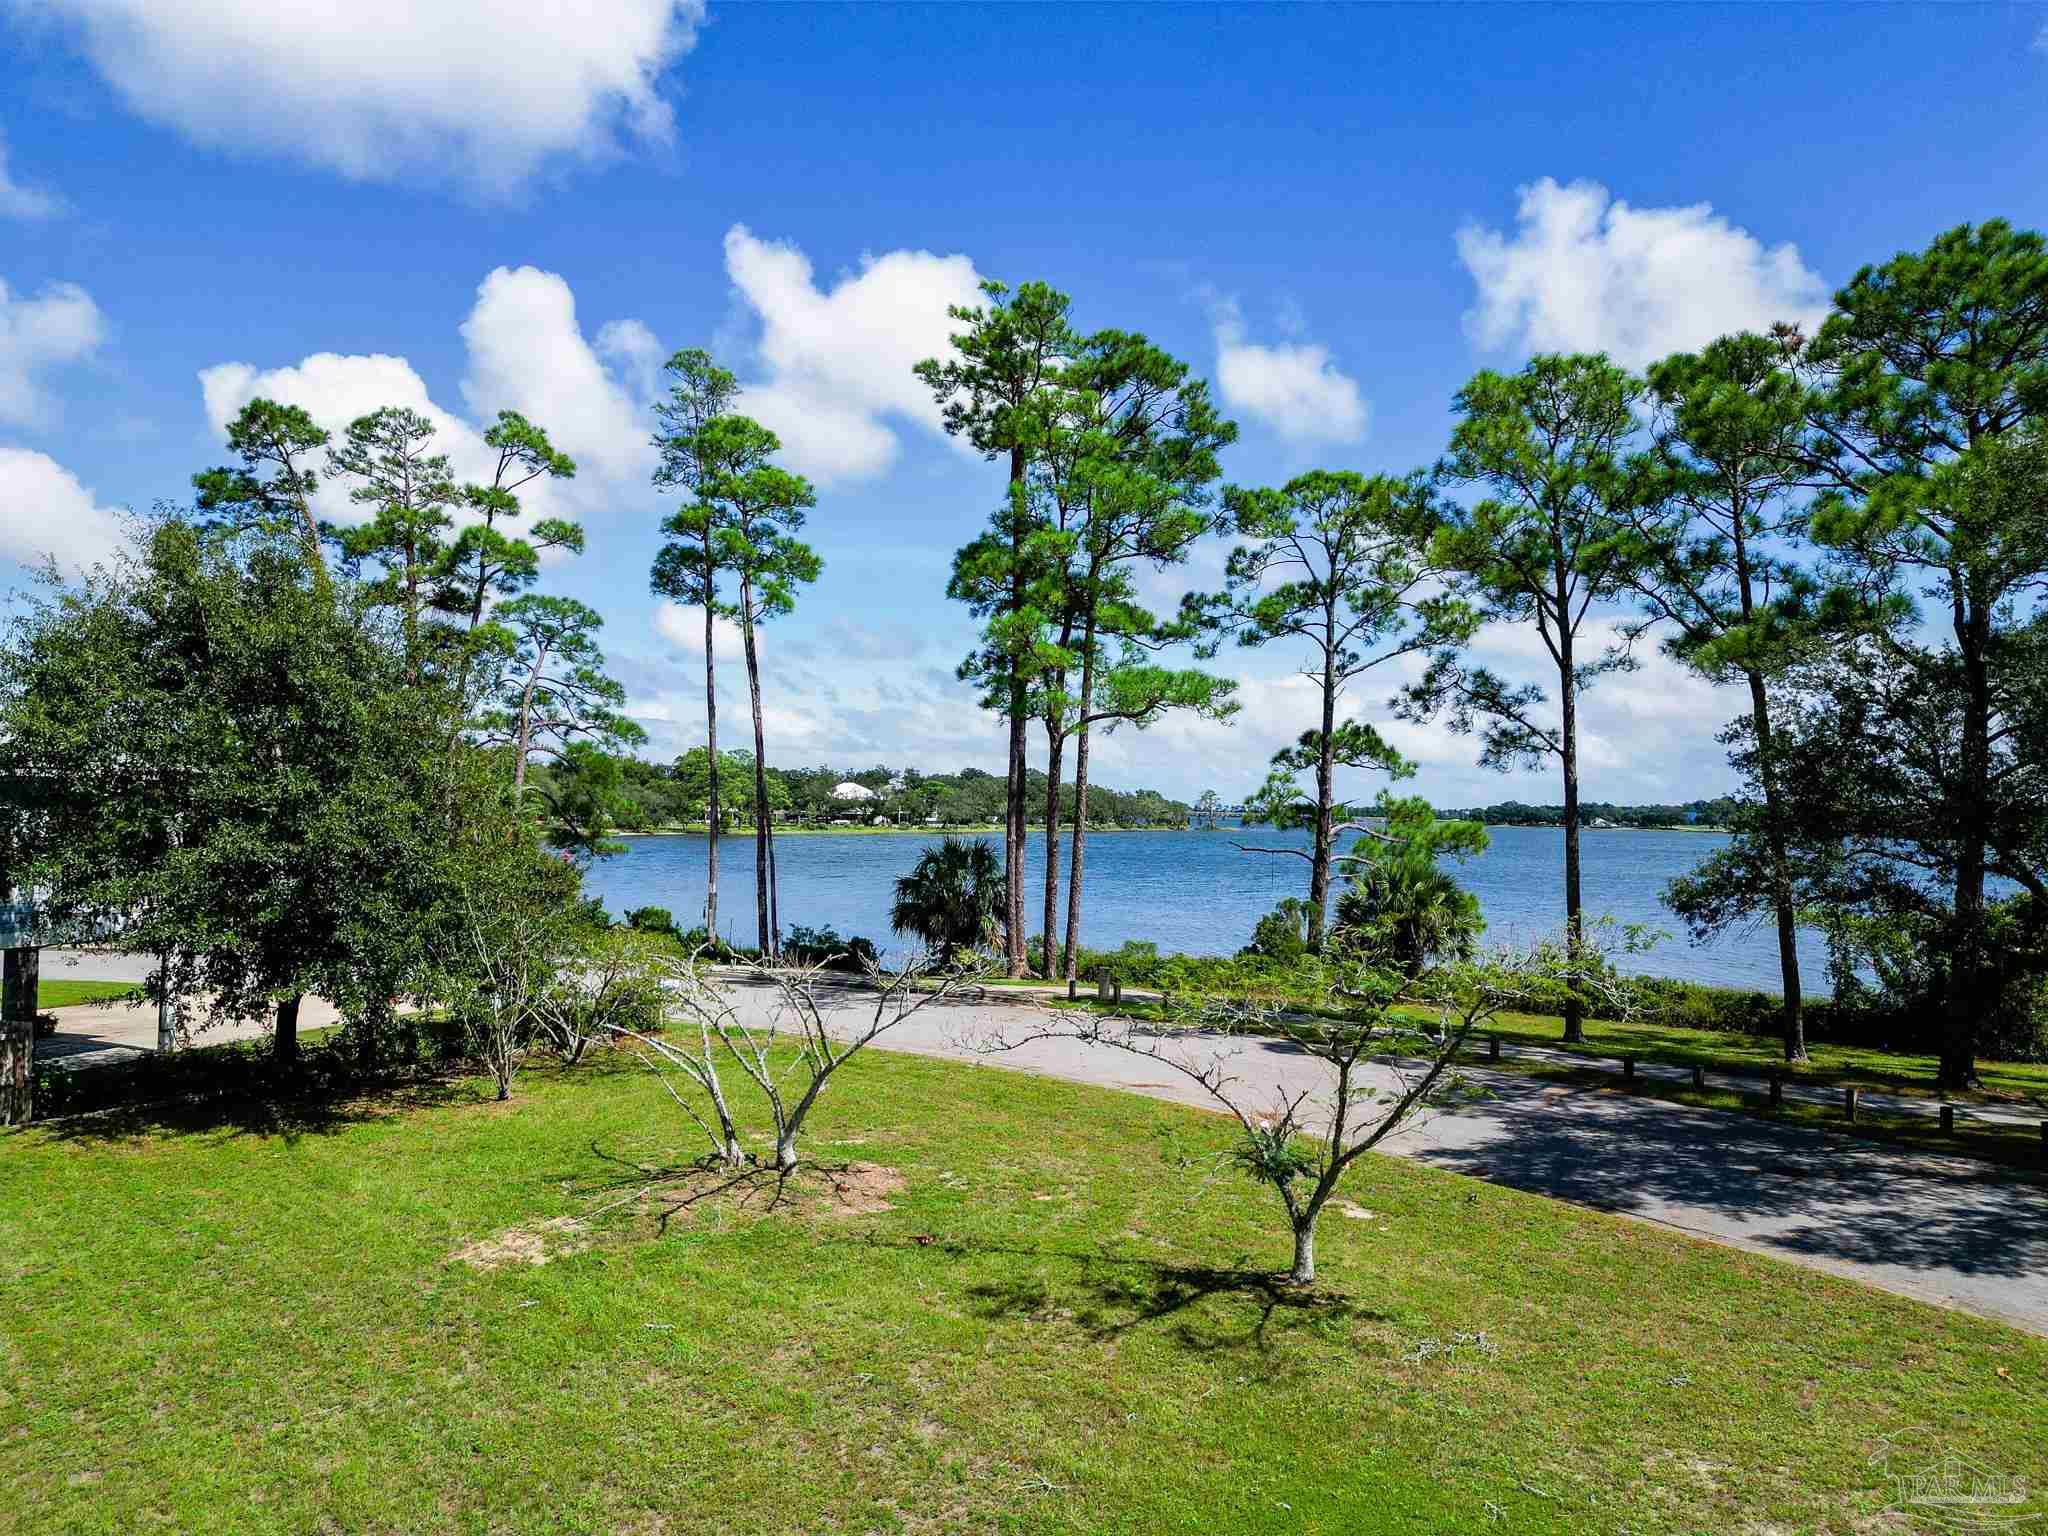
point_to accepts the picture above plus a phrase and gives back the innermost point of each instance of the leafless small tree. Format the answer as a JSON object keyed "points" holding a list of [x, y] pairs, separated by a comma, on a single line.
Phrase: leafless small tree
{"points": [[1385, 1064], [786, 1029], [608, 980], [508, 961]]}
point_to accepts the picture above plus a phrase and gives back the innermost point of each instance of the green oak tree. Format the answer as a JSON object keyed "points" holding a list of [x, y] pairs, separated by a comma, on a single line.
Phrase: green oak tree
{"points": [[232, 768], [691, 774]]}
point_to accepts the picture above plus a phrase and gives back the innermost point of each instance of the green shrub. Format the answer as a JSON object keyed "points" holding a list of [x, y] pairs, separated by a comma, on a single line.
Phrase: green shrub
{"points": [[1282, 934], [824, 946], [651, 920]]}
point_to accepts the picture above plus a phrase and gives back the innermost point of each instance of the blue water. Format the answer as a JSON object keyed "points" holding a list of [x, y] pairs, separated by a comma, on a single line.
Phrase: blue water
{"points": [[1194, 893]]}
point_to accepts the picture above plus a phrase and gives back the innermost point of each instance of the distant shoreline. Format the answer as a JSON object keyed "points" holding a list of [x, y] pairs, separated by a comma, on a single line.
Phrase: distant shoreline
{"points": [[1551, 826], [699, 830]]}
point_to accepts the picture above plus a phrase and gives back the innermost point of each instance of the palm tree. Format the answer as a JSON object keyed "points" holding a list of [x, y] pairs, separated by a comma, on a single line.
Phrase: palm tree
{"points": [[1401, 902], [1414, 913], [951, 897]]}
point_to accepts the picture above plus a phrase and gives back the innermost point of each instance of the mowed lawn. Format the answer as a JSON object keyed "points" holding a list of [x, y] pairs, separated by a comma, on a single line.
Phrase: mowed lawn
{"points": [[69, 994], [1057, 1325]]}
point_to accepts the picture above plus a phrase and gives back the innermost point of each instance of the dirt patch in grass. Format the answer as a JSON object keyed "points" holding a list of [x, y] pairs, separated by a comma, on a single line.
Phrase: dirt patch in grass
{"points": [[536, 1243], [755, 1194], [685, 1195], [858, 1189]]}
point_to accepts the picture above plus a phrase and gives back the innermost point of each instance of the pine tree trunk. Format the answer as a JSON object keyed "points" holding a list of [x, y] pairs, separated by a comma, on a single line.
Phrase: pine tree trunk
{"points": [[1574, 920], [1077, 865], [711, 748], [1015, 940], [522, 742], [310, 537], [774, 893], [1964, 1001], [761, 881], [1326, 793], [1793, 1012], [1070, 953], [1055, 745]]}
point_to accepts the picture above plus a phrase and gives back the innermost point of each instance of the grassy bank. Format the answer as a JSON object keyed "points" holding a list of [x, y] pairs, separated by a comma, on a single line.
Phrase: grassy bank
{"points": [[1057, 1324], [68, 994]]}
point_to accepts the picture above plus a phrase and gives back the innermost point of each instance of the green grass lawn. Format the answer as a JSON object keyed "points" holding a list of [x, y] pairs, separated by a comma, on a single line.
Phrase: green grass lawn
{"points": [[66, 994], [1059, 1325]]}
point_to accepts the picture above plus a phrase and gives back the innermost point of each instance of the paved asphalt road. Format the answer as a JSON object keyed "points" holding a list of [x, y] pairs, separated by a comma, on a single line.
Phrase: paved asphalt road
{"points": [[1947, 1230]]}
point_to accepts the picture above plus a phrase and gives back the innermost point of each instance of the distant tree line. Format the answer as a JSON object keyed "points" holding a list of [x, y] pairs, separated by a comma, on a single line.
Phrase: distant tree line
{"points": [[651, 796], [1719, 812]]}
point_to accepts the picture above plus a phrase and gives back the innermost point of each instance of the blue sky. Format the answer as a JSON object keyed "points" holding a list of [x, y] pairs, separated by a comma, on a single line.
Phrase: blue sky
{"points": [[1336, 213]]}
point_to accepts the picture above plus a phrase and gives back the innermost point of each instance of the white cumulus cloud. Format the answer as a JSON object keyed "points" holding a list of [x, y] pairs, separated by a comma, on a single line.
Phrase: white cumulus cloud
{"points": [[477, 91], [838, 360], [1292, 387], [1584, 271], [46, 513], [59, 325], [526, 353], [683, 628], [23, 202]]}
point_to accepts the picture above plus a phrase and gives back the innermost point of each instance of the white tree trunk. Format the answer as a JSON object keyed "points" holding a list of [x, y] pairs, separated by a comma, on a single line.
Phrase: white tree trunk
{"points": [[1304, 1271]]}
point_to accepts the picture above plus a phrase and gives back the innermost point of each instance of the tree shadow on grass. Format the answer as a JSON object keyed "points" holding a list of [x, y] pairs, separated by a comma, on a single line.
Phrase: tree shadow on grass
{"points": [[658, 1194], [1201, 1309], [288, 1109]]}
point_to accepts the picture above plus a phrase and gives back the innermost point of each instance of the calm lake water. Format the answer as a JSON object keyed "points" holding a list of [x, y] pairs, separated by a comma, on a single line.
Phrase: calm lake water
{"points": [[1192, 892]]}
